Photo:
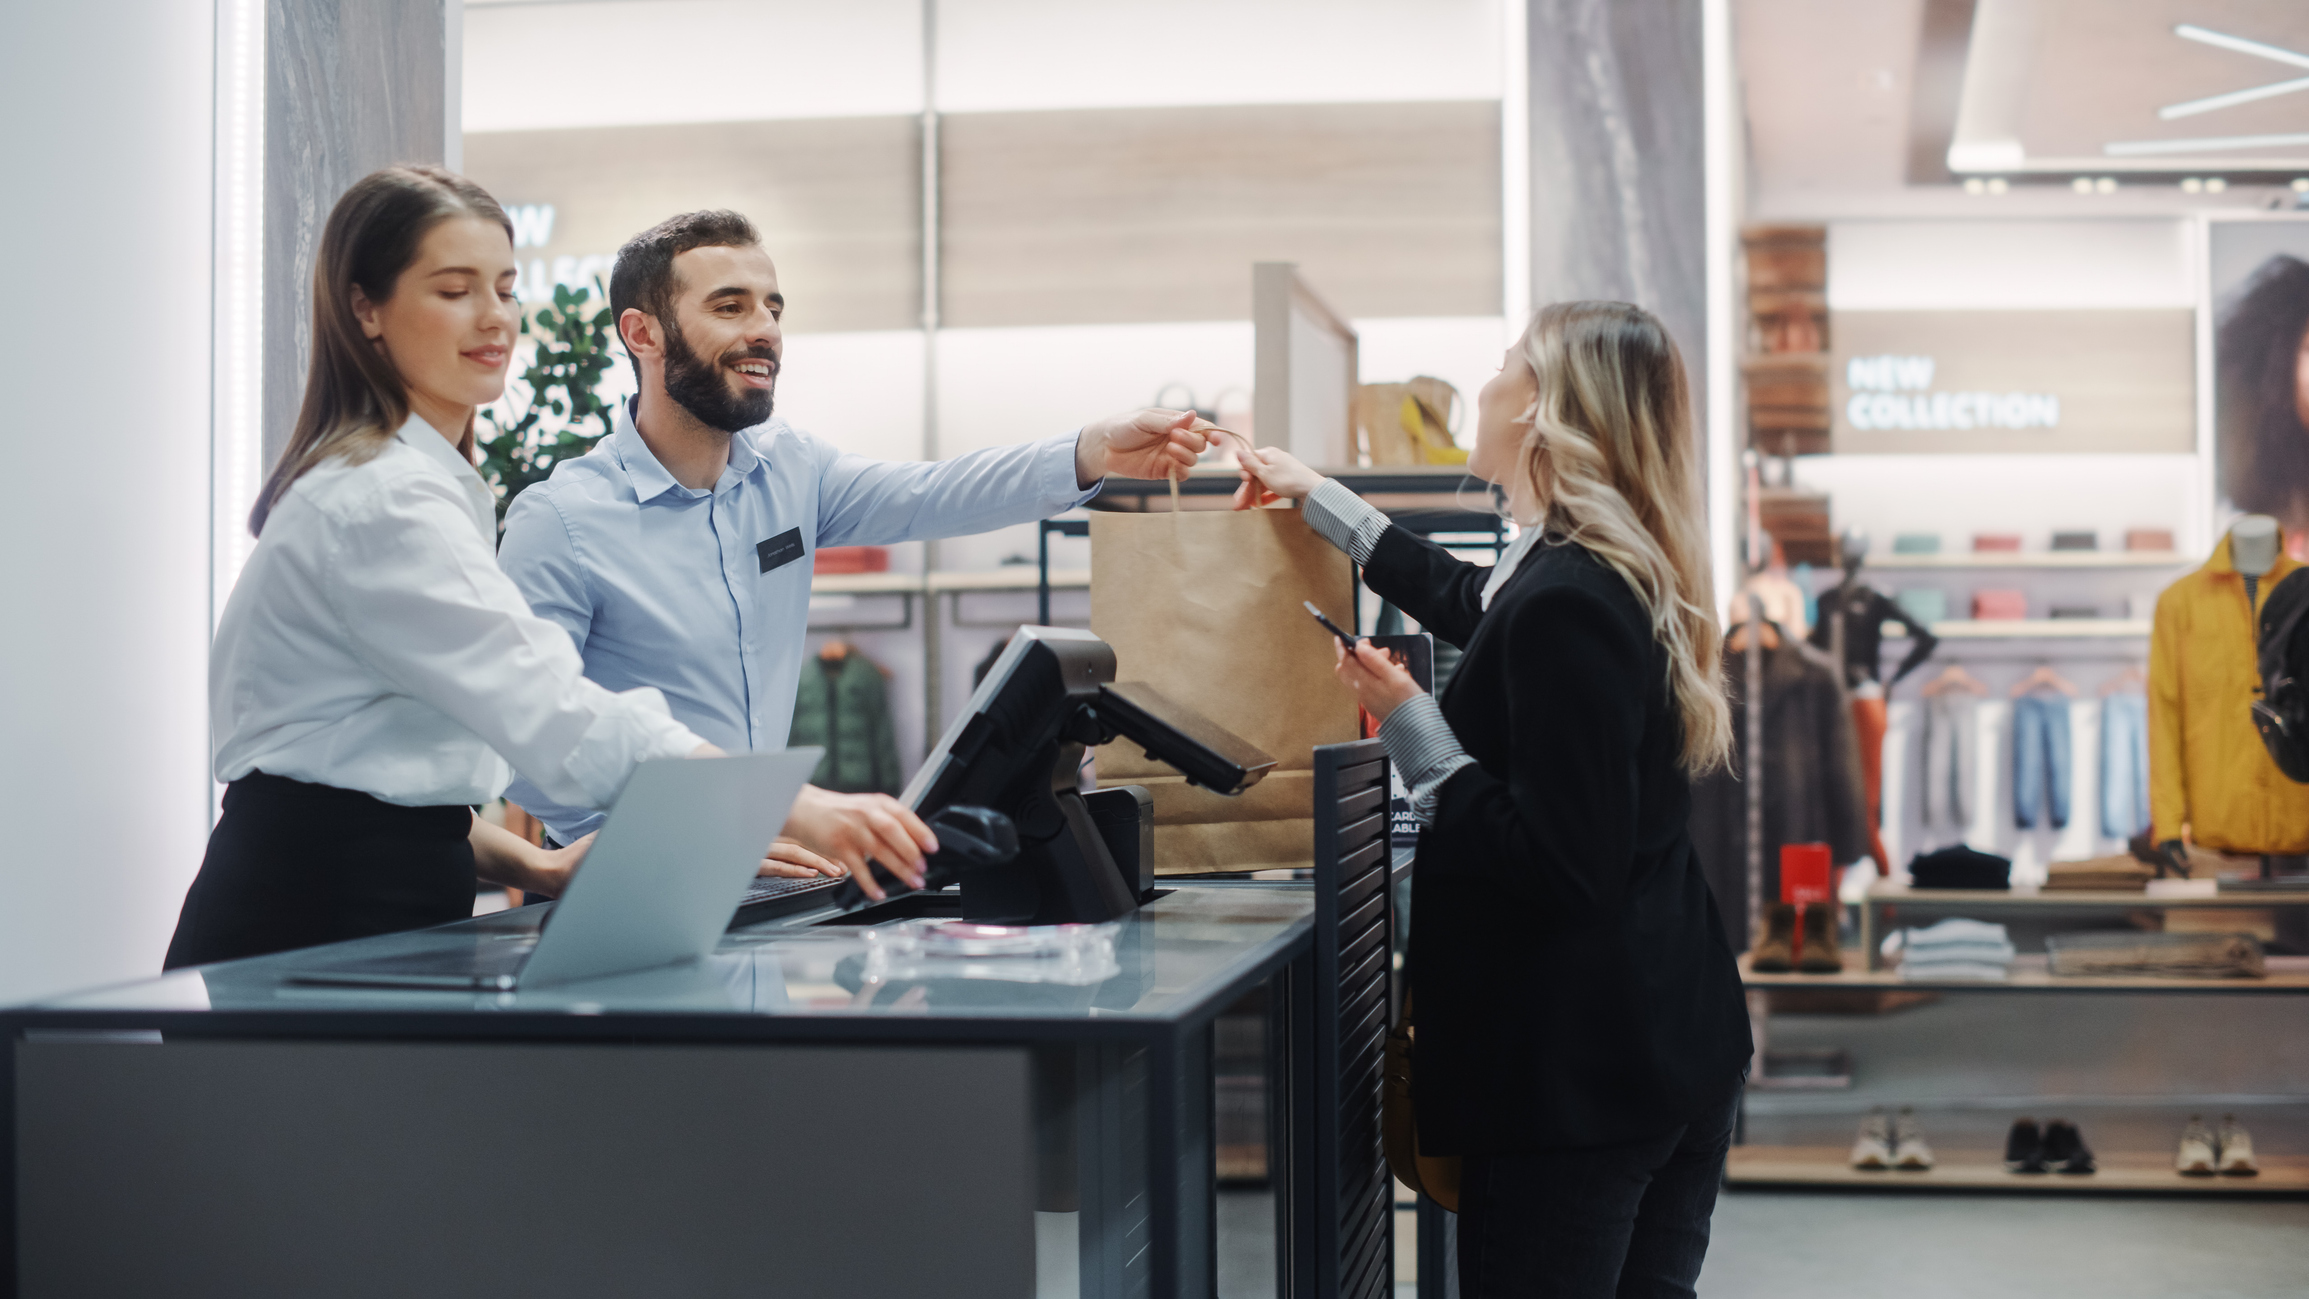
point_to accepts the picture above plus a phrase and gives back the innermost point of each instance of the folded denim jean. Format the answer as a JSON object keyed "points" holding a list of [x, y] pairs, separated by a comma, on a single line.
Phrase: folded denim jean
{"points": [[1916, 543], [2148, 539], [1995, 542], [2076, 541]]}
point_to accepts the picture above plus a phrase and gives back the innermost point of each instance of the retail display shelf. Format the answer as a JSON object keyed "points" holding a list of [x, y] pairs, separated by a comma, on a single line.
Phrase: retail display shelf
{"points": [[2287, 975], [866, 584], [1015, 578], [2037, 559], [1391, 488], [1884, 894], [2122, 1173], [2039, 628], [1002, 579]]}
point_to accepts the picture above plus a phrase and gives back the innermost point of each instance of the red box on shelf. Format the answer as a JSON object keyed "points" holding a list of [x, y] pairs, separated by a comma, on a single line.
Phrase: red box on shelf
{"points": [[851, 559], [1806, 874]]}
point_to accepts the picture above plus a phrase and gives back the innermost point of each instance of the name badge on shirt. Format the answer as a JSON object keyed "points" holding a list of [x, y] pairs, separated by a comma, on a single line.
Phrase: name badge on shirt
{"points": [[780, 550]]}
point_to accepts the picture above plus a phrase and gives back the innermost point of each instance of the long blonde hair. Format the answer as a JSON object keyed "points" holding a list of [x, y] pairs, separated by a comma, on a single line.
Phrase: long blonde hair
{"points": [[1609, 453], [355, 401]]}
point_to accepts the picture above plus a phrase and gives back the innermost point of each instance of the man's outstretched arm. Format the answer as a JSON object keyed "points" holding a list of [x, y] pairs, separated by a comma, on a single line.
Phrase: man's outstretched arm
{"points": [[880, 502]]}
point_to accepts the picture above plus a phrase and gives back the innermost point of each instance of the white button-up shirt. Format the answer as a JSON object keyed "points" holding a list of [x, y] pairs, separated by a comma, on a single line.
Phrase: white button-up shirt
{"points": [[372, 643], [706, 594]]}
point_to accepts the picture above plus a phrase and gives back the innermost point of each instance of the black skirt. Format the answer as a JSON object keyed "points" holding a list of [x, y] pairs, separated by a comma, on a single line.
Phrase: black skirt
{"points": [[296, 865]]}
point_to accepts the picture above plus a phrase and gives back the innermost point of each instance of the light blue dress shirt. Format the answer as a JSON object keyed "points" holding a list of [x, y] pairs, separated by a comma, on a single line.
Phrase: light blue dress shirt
{"points": [[691, 592]]}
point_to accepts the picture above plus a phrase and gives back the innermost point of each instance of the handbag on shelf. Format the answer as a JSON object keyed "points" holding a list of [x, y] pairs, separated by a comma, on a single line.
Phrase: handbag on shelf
{"points": [[1408, 423], [1434, 1176]]}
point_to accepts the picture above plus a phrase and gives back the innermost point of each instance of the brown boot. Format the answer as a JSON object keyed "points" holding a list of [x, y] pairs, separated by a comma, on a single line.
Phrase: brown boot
{"points": [[1821, 955], [1775, 950]]}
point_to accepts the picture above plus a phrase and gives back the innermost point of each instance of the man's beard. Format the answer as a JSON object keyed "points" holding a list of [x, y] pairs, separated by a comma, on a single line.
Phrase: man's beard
{"points": [[702, 390]]}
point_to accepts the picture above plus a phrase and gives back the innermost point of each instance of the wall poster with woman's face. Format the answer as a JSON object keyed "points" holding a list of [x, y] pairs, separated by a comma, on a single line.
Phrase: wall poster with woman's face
{"points": [[2259, 278]]}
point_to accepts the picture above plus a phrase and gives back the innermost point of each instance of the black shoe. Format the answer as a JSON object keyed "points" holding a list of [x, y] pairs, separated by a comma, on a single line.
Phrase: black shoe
{"points": [[2024, 1148], [2065, 1149]]}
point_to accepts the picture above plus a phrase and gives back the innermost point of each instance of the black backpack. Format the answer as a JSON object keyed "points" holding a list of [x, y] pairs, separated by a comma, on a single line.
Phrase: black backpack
{"points": [[2281, 714]]}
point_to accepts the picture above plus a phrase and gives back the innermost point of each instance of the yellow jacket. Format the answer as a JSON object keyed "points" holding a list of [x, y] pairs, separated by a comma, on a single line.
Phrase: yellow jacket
{"points": [[2207, 767]]}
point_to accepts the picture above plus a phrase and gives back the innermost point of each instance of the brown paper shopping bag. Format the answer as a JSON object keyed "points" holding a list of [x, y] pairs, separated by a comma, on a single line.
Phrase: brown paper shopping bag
{"points": [[1205, 607]]}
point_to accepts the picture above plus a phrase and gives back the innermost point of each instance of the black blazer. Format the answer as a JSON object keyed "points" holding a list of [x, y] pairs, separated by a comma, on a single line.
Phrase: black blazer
{"points": [[1573, 986]]}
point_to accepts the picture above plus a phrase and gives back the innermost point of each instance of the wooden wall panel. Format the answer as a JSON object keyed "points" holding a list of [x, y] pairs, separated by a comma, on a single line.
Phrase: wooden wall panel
{"points": [[1154, 214], [838, 201]]}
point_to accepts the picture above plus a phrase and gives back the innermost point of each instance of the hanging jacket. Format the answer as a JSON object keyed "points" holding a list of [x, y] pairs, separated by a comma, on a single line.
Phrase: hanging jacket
{"points": [[2207, 767], [1811, 770], [844, 704]]}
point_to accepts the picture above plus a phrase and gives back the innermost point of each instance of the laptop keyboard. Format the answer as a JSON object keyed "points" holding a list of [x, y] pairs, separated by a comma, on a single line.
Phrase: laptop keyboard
{"points": [[767, 887]]}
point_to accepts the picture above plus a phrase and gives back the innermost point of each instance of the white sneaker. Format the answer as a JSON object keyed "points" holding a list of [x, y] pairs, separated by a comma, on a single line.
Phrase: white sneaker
{"points": [[2196, 1157], [1910, 1153], [1872, 1150], [2236, 1149]]}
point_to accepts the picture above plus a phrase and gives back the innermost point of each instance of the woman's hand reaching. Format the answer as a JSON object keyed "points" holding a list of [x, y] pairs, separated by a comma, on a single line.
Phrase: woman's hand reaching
{"points": [[790, 860], [1380, 684], [1272, 474]]}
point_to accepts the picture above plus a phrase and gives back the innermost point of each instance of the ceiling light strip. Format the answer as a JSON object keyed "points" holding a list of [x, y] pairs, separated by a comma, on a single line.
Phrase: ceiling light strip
{"points": [[2206, 36], [2233, 98]]}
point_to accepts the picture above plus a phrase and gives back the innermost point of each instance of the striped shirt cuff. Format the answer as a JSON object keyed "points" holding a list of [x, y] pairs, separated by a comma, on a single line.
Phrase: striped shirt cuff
{"points": [[1424, 750], [1344, 519]]}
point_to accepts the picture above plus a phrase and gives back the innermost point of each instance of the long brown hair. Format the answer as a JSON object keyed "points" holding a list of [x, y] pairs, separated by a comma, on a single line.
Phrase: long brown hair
{"points": [[355, 401], [1609, 450]]}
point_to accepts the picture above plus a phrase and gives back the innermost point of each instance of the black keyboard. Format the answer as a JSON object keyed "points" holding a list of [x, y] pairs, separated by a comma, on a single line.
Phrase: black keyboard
{"points": [[768, 887]]}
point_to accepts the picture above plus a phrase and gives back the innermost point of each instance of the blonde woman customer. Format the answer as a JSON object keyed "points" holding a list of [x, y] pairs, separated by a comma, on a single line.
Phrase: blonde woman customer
{"points": [[1582, 1034]]}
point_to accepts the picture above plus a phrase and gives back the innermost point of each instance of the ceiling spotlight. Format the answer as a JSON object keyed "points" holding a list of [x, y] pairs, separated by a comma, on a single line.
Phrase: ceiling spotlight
{"points": [[2191, 185], [2083, 185], [1996, 185], [1974, 185], [2105, 185], [2215, 185], [2301, 185]]}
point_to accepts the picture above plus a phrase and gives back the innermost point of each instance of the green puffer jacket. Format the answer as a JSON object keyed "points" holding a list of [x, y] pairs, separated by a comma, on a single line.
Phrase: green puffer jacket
{"points": [[844, 704]]}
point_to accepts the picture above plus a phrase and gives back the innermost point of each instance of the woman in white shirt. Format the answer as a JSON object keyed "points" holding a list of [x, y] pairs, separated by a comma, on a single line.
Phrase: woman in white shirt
{"points": [[374, 671]]}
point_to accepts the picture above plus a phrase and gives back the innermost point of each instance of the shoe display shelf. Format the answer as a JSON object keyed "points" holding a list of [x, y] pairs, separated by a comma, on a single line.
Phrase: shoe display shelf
{"points": [[2134, 1172], [1883, 895], [2031, 629], [1984, 559], [2287, 975], [2124, 1174]]}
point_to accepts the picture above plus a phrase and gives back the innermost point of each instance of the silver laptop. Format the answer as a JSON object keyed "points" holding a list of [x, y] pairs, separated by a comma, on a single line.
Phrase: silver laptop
{"points": [[657, 888]]}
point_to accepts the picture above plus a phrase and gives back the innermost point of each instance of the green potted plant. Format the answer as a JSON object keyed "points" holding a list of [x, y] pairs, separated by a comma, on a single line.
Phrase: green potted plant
{"points": [[563, 413]]}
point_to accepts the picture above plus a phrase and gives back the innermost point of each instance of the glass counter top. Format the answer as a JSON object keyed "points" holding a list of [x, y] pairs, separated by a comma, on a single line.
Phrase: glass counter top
{"points": [[1172, 957]]}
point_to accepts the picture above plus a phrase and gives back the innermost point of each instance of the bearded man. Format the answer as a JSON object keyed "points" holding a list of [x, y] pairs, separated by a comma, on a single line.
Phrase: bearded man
{"points": [[677, 553]]}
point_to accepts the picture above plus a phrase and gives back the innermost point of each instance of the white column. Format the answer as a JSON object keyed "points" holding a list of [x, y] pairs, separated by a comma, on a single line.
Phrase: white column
{"points": [[104, 786]]}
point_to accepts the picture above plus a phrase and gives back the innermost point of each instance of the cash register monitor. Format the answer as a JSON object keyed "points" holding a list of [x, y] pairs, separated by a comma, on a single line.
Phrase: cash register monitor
{"points": [[1016, 749]]}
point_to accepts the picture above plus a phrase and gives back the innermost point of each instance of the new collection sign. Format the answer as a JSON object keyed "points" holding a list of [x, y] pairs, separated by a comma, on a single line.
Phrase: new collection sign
{"points": [[1895, 392], [2020, 382]]}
